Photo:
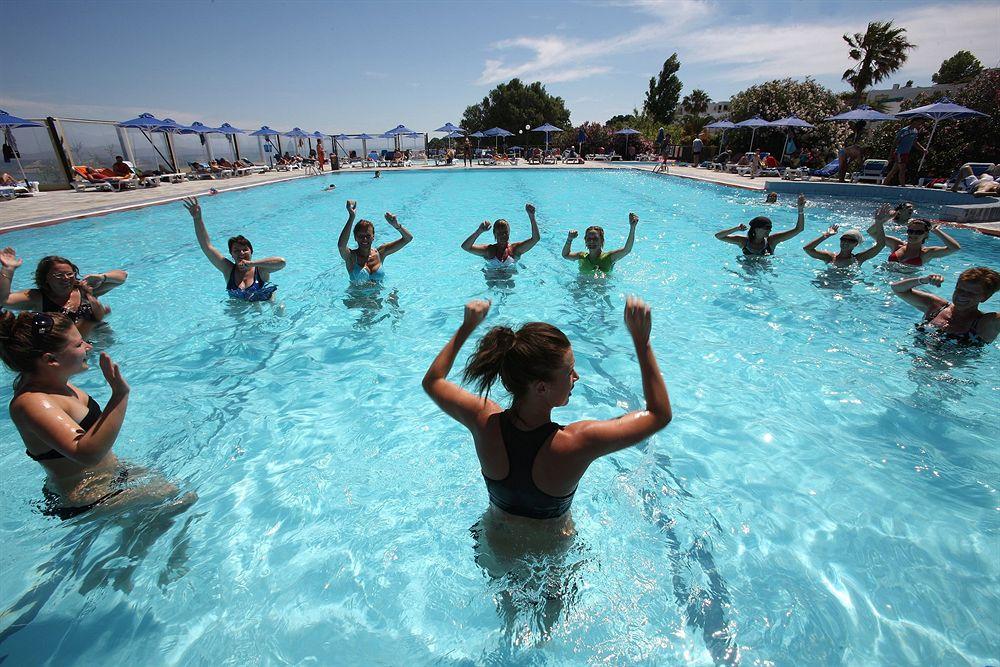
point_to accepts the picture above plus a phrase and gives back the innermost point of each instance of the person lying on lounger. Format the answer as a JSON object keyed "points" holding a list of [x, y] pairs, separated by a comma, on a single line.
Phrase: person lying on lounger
{"points": [[7, 179], [595, 259]]}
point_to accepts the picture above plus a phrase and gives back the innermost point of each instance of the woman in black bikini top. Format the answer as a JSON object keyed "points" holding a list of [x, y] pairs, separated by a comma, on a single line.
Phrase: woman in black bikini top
{"points": [[959, 319], [759, 240]]}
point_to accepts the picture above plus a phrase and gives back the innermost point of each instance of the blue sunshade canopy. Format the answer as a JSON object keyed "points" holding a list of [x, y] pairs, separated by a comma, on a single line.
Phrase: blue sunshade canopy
{"points": [[943, 109], [454, 135], [145, 121], [581, 136], [201, 128], [226, 128], [721, 125], [317, 135], [171, 125], [863, 112], [548, 127], [265, 131], [399, 129], [448, 127], [342, 137], [791, 121], [497, 132], [628, 130], [478, 135], [756, 121], [7, 120], [364, 136], [295, 132]]}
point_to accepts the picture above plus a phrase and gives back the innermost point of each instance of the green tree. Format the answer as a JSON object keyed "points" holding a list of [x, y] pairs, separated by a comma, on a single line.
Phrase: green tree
{"points": [[961, 67], [664, 91], [785, 97], [513, 105], [879, 52], [696, 102]]}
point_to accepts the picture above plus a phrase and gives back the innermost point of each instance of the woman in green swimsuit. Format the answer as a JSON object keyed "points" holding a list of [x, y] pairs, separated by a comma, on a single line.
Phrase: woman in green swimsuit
{"points": [[595, 259]]}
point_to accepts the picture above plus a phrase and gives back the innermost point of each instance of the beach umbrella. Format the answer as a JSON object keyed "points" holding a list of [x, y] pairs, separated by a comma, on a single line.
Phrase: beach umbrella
{"points": [[396, 131], [266, 133], [791, 121], [753, 123], [546, 128], [863, 112], [449, 128], [478, 136], [296, 133], [628, 131], [497, 132], [226, 128], [8, 122], [454, 135], [146, 123], [364, 141], [724, 125], [943, 109]]}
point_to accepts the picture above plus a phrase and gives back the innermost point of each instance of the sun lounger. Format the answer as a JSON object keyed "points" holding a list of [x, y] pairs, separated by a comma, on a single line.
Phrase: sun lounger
{"points": [[572, 159], [829, 171], [12, 191], [978, 169], [871, 170], [486, 160], [109, 182]]}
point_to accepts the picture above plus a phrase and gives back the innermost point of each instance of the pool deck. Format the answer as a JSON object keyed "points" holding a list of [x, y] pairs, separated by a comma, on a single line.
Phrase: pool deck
{"points": [[53, 207]]}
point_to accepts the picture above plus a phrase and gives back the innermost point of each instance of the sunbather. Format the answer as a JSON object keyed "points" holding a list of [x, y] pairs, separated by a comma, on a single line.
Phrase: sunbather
{"points": [[7, 179], [225, 164], [968, 182], [121, 169]]}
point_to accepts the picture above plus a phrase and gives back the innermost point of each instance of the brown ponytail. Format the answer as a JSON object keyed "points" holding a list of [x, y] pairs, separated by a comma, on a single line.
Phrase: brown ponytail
{"points": [[26, 337], [518, 358]]}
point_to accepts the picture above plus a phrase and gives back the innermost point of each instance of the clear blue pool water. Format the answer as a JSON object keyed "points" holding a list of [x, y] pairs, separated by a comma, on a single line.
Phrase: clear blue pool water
{"points": [[826, 493]]}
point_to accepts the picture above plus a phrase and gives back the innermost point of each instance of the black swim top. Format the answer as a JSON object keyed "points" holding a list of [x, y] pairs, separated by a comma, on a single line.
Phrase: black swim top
{"points": [[93, 414], [970, 336], [516, 493], [766, 250], [82, 312]]}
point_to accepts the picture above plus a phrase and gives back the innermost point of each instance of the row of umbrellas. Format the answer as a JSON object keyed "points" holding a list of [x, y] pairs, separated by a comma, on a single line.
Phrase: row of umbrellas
{"points": [[944, 109]]}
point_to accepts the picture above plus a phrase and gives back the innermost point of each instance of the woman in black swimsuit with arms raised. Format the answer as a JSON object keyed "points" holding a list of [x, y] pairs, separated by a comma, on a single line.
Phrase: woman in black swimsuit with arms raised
{"points": [[760, 241], [959, 319]]}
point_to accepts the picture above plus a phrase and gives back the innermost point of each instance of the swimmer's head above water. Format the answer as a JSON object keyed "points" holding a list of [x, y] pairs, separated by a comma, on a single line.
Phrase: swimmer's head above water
{"points": [[41, 342], [364, 233], [593, 238], [974, 286], [760, 228], [501, 231], [240, 249], [902, 212], [772, 198], [56, 275]]}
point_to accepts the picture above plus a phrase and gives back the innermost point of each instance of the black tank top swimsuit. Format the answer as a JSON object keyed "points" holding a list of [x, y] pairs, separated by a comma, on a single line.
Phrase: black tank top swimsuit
{"points": [[516, 493], [970, 336], [82, 312], [766, 250], [93, 414]]}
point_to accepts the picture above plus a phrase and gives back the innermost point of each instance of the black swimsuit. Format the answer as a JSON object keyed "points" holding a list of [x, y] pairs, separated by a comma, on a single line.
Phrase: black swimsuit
{"points": [[517, 493], [93, 414], [83, 312], [970, 337], [766, 250]]}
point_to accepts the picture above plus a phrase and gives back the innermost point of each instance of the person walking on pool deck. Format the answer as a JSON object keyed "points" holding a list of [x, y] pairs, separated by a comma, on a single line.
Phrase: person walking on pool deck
{"points": [[912, 252], [530, 464], [595, 259], [759, 241], [364, 263], [850, 240], [503, 253], [906, 139], [60, 289], [960, 319], [246, 278]]}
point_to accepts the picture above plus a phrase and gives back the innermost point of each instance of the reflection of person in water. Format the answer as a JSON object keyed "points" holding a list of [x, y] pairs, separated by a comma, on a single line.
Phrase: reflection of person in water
{"points": [[369, 301]]}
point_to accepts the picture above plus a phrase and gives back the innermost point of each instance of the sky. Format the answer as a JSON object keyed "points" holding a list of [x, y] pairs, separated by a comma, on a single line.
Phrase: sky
{"points": [[368, 66]]}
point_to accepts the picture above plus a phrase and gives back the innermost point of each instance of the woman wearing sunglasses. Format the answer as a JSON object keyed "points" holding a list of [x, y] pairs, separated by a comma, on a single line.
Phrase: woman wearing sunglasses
{"points": [[60, 289], [62, 427], [912, 252], [759, 240], [850, 240]]}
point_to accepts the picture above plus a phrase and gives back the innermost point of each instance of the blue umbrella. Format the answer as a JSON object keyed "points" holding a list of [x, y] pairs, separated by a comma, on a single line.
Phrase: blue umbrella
{"points": [[753, 123], [943, 109], [628, 131], [478, 136], [497, 132], [295, 133], [449, 128], [317, 135], [7, 122], [200, 128], [863, 112], [791, 121], [399, 129], [454, 135], [267, 133], [723, 125], [546, 128], [146, 123], [226, 128]]}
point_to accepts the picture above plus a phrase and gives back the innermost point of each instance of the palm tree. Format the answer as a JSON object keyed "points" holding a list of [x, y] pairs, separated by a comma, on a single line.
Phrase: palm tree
{"points": [[879, 52], [696, 102]]}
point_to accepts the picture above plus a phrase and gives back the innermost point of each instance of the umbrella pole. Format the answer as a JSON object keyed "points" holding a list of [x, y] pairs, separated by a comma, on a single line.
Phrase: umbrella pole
{"points": [[150, 140], [753, 133], [924, 156]]}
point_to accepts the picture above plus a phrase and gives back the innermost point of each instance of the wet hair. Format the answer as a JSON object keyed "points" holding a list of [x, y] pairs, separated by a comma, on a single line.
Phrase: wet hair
{"points": [[596, 228], [242, 240], [498, 223], [24, 338], [364, 224], [772, 197], [45, 265], [759, 221], [903, 204], [518, 358], [988, 278]]}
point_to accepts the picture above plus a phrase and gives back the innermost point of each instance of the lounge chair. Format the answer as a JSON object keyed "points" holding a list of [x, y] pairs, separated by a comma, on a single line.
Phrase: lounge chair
{"points": [[12, 191], [829, 171], [572, 158], [978, 169], [108, 181], [871, 170], [487, 160]]}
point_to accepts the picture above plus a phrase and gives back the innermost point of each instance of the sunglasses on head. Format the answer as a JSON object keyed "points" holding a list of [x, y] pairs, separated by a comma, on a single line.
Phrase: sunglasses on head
{"points": [[915, 231], [41, 325]]}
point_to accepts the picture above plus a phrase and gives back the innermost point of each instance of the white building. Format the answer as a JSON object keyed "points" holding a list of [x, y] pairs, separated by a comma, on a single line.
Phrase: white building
{"points": [[718, 110], [893, 97]]}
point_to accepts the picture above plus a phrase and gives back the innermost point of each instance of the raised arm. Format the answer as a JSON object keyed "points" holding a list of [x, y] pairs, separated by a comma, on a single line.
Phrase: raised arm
{"points": [[615, 255], [102, 283], [950, 244], [470, 245], [800, 224], [57, 430], [824, 255], [522, 247], [214, 256], [394, 246], [567, 251], [877, 231], [461, 405], [9, 262], [920, 300], [345, 233], [728, 236], [593, 439]]}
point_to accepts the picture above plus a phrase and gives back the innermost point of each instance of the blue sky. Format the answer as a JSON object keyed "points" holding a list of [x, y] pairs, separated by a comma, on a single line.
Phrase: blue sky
{"points": [[351, 67]]}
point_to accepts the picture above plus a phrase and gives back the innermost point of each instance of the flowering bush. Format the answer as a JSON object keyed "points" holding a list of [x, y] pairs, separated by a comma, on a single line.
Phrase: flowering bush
{"points": [[599, 136]]}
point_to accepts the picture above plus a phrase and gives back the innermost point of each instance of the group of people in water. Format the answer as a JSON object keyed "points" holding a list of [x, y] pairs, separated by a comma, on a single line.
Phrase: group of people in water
{"points": [[531, 464]]}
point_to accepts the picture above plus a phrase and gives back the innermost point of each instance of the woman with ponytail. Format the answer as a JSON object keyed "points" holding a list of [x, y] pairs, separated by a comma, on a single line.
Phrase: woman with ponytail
{"points": [[63, 428], [532, 465]]}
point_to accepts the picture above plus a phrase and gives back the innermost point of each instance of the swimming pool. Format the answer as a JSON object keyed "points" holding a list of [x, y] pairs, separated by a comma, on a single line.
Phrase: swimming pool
{"points": [[826, 493]]}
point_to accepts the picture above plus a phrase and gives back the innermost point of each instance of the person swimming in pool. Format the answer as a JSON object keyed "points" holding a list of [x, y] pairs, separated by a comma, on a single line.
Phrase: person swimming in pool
{"points": [[364, 263], [503, 254], [771, 198], [378, 174], [960, 319], [531, 465], [330, 188], [595, 259], [850, 240], [912, 252], [246, 278], [759, 240], [59, 289]]}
